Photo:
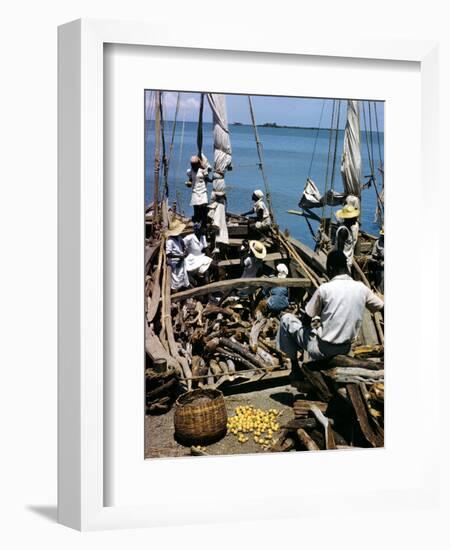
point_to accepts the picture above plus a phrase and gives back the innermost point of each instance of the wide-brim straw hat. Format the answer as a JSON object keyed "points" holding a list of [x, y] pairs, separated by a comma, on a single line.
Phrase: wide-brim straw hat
{"points": [[258, 249], [175, 228], [348, 211]]}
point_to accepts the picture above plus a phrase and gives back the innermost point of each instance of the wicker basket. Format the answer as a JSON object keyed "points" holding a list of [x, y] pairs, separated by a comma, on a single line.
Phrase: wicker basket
{"points": [[200, 417]]}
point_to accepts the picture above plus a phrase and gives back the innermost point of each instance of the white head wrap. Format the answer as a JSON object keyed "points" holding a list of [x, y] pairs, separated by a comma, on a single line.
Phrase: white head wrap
{"points": [[282, 271]]}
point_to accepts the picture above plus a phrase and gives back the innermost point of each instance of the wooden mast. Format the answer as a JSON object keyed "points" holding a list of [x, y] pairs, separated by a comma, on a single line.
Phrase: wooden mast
{"points": [[261, 164], [157, 154]]}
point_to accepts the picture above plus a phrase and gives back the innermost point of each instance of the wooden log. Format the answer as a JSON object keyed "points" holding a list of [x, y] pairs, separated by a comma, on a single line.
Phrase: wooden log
{"points": [[372, 432], [284, 443], [342, 375], [306, 440], [150, 395], [302, 407], [239, 350], [168, 326], [343, 361], [319, 384], [222, 286], [297, 423], [153, 300], [254, 333], [156, 350]]}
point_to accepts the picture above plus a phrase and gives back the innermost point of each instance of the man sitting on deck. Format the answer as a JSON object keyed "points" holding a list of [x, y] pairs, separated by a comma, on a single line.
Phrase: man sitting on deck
{"points": [[339, 304], [261, 219], [197, 262]]}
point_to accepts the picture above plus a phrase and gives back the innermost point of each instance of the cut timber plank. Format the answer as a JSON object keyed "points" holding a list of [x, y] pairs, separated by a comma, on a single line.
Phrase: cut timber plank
{"points": [[373, 433], [220, 286]]}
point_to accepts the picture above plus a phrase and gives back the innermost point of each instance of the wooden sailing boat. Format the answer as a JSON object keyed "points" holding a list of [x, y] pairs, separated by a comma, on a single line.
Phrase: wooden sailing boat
{"points": [[222, 342]]}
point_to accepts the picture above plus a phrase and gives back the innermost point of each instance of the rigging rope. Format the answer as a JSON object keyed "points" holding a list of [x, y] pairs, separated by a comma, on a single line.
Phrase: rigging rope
{"points": [[200, 126], [371, 163], [261, 164], [165, 190], [316, 139], [330, 140], [180, 156]]}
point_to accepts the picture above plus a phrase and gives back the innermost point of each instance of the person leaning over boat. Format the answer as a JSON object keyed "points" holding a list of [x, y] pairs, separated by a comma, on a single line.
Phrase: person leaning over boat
{"points": [[176, 254], [276, 298], [197, 262], [261, 219], [336, 310], [347, 233], [198, 175]]}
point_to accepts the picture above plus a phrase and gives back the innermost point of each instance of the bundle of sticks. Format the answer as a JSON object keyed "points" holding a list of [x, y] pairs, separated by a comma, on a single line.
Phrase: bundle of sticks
{"points": [[225, 342]]}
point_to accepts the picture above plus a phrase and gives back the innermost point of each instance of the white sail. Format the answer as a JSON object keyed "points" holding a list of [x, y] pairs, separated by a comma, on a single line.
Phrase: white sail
{"points": [[351, 156], [222, 163]]}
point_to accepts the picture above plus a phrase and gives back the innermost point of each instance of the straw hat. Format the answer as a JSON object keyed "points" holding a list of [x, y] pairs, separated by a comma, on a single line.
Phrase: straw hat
{"points": [[348, 211], [282, 271], [175, 228], [258, 249]]}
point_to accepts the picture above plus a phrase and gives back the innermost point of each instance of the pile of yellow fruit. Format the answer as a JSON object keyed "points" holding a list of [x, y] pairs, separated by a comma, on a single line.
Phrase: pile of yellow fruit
{"points": [[250, 420]]}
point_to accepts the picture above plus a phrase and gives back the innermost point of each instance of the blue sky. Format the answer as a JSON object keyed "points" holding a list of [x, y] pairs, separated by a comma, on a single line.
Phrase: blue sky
{"points": [[282, 110]]}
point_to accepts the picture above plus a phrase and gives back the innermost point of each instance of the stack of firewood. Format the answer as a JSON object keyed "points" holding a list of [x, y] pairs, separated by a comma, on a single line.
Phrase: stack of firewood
{"points": [[223, 342], [161, 387], [340, 405]]}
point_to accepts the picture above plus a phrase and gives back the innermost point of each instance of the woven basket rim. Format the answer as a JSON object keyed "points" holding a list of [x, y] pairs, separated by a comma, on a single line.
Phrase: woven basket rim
{"points": [[199, 391]]}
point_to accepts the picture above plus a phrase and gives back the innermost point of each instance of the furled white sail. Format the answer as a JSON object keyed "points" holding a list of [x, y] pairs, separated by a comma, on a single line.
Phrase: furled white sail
{"points": [[222, 163], [351, 156]]}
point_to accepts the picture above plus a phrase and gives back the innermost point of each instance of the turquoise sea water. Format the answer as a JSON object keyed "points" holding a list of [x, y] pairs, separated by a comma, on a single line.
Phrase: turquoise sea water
{"points": [[287, 155]]}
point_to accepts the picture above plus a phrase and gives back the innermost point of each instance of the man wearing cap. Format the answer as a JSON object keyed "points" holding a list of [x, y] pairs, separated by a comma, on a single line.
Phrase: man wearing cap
{"points": [[262, 216], [176, 254], [198, 175], [338, 308], [347, 232]]}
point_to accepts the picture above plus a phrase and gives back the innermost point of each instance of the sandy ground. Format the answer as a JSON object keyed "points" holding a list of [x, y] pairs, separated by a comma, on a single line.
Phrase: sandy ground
{"points": [[159, 430]]}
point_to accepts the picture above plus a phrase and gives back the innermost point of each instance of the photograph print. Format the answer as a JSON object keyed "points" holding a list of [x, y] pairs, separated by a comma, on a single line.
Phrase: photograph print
{"points": [[264, 274]]}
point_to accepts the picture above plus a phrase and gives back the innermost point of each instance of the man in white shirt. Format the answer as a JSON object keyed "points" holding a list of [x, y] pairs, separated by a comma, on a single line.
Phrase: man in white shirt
{"points": [[261, 219], [339, 305], [196, 261], [198, 175]]}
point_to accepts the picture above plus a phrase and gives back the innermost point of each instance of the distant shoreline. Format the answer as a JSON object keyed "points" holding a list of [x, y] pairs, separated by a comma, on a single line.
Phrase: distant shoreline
{"points": [[272, 125]]}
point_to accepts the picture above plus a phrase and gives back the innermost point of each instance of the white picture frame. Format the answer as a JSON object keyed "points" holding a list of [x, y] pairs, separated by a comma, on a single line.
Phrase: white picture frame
{"points": [[81, 479]]}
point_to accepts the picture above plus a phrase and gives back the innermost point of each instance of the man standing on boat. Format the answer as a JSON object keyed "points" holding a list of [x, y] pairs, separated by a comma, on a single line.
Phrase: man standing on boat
{"points": [[261, 219], [347, 232], [336, 310], [198, 175]]}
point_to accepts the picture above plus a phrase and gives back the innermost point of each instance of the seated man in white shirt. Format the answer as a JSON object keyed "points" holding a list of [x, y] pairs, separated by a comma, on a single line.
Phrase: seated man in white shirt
{"points": [[339, 304], [197, 262]]}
